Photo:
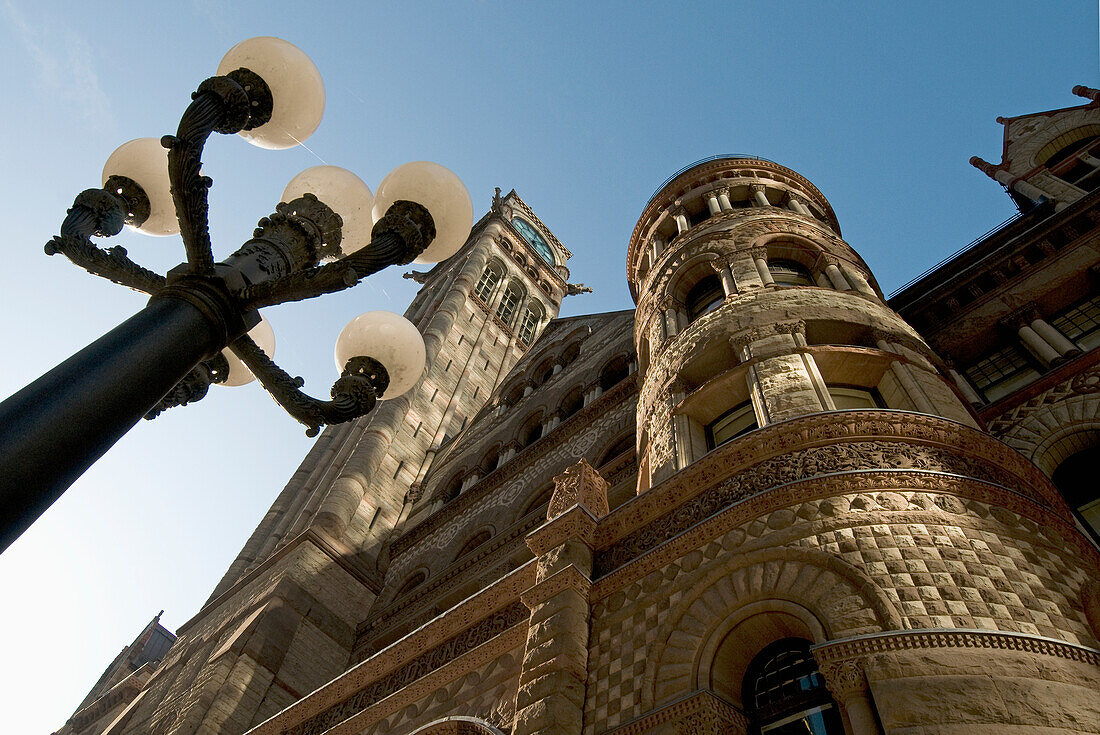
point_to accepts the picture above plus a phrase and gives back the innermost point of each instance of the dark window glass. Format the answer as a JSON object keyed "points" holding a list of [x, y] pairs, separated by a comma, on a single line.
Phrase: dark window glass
{"points": [[738, 420], [784, 693], [789, 273], [1076, 478], [705, 296], [997, 367]]}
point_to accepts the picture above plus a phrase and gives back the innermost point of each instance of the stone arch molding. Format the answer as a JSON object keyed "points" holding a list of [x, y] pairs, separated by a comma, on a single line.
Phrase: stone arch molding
{"points": [[458, 725], [1039, 434], [844, 600]]}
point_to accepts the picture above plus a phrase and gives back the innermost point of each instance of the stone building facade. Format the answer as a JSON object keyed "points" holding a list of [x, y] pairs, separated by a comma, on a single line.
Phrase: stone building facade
{"points": [[766, 500]]}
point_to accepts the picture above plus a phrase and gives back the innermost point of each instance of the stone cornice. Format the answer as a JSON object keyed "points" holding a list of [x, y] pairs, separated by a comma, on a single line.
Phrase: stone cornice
{"points": [[569, 578], [340, 555], [400, 611], [816, 430], [687, 532], [120, 693], [859, 646], [681, 709], [705, 170], [411, 658], [293, 720], [516, 466], [574, 523]]}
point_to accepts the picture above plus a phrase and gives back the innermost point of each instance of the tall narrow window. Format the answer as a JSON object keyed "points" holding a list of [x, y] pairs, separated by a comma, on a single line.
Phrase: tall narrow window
{"points": [[508, 304], [489, 279], [528, 324]]}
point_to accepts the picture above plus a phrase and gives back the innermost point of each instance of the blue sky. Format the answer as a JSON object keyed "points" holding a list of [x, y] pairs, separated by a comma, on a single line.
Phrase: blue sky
{"points": [[583, 108]]}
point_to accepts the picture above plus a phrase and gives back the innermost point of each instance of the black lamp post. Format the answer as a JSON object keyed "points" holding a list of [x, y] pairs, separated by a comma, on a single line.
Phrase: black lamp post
{"points": [[172, 350]]}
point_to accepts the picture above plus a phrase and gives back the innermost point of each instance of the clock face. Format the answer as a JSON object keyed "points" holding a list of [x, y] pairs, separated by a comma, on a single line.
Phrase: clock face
{"points": [[532, 236]]}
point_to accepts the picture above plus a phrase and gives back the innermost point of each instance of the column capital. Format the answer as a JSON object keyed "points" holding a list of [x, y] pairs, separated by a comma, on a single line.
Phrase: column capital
{"points": [[744, 339], [845, 679], [794, 327], [757, 188], [1021, 317], [882, 335], [759, 253]]}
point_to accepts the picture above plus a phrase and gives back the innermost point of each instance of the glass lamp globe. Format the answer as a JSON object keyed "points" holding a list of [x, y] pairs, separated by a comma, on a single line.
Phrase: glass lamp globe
{"points": [[145, 161], [295, 84], [344, 193], [442, 193], [239, 374], [389, 338]]}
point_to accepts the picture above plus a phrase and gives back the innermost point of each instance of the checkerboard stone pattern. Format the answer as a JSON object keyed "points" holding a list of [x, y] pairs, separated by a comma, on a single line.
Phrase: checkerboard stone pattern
{"points": [[955, 563]]}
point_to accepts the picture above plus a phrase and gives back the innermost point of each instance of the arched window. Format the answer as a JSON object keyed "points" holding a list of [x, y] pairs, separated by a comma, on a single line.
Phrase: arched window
{"points": [[540, 499], [477, 540], [453, 490], [573, 402], [1077, 161], [529, 323], [789, 272], [532, 434], [615, 371], [411, 583], [784, 693], [705, 296], [489, 279], [1076, 478], [618, 448], [508, 304]]}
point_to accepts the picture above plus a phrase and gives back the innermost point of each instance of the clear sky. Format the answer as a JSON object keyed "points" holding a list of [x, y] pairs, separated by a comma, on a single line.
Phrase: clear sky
{"points": [[583, 107]]}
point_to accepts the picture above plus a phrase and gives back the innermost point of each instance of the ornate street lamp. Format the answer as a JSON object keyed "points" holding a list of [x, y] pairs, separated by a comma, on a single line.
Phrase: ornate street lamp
{"points": [[327, 234]]}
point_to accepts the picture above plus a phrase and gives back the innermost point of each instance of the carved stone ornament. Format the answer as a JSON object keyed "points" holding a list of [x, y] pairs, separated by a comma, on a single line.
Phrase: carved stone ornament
{"points": [[422, 665], [845, 679], [579, 485]]}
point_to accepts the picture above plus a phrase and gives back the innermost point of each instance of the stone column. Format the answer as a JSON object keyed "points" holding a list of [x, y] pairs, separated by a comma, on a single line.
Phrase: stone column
{"points": [[799, 206], [784, 383], [760, 257], [1004, 177], [724, 200], [712, 203], [672, 324], [680, 429], [656, 247], [840, 283], [858, 280], [1054, 338], [965, 387], [507, 455], [848, 684], [593, 392], [679, 214], [725, 274], [901, 372], [759, 195], [551, 695], [1022, 321]]}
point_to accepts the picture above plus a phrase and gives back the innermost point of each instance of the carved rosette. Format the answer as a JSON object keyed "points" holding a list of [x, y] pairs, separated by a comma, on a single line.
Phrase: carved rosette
{"points": [[845, 679]]}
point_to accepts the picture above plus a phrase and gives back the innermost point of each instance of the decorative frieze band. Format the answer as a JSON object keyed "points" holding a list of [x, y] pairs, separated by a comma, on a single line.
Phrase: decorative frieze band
{"points": [[854, 648], [422, 665], [699, 713]]}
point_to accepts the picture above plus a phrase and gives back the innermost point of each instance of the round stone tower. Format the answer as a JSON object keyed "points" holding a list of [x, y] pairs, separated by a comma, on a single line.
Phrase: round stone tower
{"points": [[753, 310], [816, 498]]}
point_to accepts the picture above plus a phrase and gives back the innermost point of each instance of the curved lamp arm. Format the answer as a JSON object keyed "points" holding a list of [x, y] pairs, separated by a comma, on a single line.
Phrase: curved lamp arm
{"points": [[353, 394]]}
